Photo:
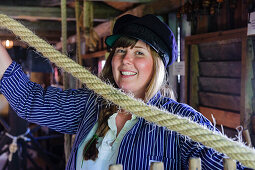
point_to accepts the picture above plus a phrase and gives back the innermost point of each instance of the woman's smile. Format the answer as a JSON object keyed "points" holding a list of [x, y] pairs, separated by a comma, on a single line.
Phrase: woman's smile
{"points": [[127, 73]]}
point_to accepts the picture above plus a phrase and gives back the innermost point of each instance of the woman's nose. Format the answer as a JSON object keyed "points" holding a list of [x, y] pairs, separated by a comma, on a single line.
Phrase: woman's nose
{"points": [[128, 58]]}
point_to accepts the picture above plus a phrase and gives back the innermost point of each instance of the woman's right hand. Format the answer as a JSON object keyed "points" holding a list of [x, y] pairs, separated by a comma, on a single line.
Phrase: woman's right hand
{"points": [[5, 60]]}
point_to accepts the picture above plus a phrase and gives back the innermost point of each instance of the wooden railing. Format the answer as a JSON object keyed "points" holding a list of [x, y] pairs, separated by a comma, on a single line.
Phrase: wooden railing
{"points": [[194, 164]]}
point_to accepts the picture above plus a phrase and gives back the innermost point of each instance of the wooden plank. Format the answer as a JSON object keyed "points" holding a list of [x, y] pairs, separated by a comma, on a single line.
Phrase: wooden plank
{"points": [[194, 74], [225, 50], [220, 69], [220, 85], [216, 36], [225, 118], [220, 101], [97, 54]]}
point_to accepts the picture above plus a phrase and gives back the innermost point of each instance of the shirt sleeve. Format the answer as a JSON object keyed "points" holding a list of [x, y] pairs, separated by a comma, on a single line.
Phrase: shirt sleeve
{"points": [[52, 107]]}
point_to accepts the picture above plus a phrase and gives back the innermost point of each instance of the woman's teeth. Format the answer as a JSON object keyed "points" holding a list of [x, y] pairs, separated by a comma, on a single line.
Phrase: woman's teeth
{"points": [[127, 73]]}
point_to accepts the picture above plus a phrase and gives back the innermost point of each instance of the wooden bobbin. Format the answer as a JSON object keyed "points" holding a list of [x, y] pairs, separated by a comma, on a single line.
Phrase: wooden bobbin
{"points": [[157, 166], [229, 164], [116, 167], [194, 164]]}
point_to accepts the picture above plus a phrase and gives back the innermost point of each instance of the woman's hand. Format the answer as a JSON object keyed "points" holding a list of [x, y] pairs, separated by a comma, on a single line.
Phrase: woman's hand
{"points": [[5, 60]]}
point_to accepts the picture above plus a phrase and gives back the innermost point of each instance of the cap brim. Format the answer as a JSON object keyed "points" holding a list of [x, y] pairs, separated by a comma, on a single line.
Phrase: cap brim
{"points": [[110, 40]]}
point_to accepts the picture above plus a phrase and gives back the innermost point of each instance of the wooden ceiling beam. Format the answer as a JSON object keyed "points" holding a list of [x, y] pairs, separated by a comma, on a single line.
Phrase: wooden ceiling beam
{"points": [[32, 13], [36, 13]]}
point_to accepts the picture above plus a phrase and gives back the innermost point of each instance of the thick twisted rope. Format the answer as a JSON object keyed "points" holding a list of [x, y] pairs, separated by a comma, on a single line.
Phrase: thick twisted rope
{"points": [[184, 126]]}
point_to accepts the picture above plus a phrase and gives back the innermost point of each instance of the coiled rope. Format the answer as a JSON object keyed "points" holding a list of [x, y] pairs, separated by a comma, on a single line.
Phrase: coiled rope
{"points": [[184, 126]]}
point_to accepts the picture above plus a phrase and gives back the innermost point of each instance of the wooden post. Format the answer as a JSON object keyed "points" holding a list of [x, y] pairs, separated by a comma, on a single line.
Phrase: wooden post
{"points": [[116, 167], [229, 164], [246, 84], [194, 164], [247, 91], [194, 74], [247, 137], [157, 166]]}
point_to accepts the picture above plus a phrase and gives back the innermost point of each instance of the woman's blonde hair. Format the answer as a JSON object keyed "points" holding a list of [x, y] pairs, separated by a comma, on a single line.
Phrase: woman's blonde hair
{"points": [[90, 151]]}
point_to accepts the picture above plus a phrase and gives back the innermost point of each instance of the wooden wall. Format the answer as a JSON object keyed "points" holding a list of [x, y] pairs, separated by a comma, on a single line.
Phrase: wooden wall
{"points": [[219, 77]]}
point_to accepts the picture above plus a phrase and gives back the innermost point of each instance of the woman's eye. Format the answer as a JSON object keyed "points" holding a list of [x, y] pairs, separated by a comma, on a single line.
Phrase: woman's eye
{"points": [[120, 51], [139, 53]]}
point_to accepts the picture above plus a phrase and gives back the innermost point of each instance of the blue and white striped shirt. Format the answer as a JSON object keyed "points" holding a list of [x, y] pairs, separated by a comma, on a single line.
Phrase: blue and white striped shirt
{"points": [[76, 112]]}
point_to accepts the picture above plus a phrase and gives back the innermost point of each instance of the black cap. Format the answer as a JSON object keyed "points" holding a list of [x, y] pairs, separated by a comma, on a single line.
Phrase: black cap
{"points": [[150, 30]]}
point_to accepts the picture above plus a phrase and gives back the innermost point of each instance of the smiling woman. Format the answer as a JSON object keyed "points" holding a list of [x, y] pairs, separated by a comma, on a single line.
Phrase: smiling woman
{"points": [[141, 48]]}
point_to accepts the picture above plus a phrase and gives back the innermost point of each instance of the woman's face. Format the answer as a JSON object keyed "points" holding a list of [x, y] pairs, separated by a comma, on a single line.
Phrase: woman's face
{"points": [[132, 68]]}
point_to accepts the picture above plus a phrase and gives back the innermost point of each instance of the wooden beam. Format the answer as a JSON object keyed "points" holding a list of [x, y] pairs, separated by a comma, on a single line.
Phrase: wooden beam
{"points": [[223, 50], [97, 54], [216, 36], [225, 118], [36, 13]]}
